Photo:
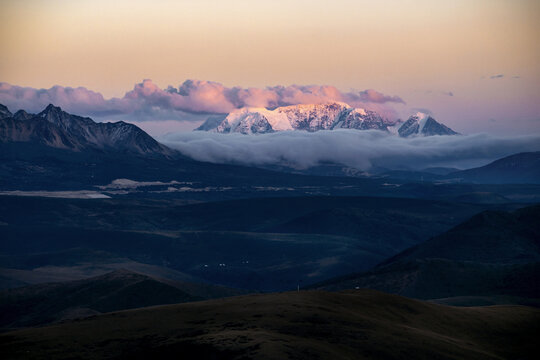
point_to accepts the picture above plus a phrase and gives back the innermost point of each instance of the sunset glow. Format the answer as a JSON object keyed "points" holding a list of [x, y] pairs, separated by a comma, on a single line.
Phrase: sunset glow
{"points": [[441, 56]]}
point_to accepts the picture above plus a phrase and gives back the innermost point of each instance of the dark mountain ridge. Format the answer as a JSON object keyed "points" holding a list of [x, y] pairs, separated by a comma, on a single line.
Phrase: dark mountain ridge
{"points": [[521, 168], [118, 290], [494, 253], [4, 112], [56, 128]]}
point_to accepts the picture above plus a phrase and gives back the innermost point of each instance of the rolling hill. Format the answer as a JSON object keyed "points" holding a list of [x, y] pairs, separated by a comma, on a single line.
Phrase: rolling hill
{"points": [[118, 290], [360, 324], [493, 254]]}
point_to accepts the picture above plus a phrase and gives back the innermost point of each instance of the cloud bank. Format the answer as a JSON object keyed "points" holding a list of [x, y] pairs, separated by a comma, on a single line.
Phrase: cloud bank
{"points": [[358, 149], [147, 101]]}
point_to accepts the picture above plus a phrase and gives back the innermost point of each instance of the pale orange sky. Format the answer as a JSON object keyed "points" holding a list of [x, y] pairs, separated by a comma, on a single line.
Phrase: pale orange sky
{"points": [[417, 50]]}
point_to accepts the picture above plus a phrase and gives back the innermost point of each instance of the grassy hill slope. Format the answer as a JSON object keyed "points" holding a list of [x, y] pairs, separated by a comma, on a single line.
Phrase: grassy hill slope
{"points": [[362, 324]]}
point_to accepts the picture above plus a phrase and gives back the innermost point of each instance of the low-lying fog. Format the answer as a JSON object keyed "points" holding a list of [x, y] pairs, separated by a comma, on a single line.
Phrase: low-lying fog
{"points": [[359, 149]]}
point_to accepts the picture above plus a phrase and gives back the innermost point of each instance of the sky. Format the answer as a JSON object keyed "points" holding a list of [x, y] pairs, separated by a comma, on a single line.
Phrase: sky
{"points": [[475, 64]]}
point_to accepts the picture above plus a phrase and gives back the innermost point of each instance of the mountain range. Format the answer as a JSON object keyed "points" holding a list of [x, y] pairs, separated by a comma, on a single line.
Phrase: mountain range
{"points": [[315, 117], [55, 150], [55, 128]]}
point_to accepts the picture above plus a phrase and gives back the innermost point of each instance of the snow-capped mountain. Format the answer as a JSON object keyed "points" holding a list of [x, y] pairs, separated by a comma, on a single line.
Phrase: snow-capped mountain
{"points": [[423, 125], [312, 117], [315, 117], [56, 128]]}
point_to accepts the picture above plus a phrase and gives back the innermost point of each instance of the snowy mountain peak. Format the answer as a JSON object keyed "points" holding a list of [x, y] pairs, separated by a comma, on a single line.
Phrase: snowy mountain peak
{"points": [[420, 115], [360, 111], [248, 121], [307, 117], [422, 124]]}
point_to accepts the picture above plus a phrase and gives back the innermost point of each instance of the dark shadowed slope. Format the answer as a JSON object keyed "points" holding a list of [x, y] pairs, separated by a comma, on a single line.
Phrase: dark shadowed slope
{"points": [[489, 237], [492, 254], [118, 290], [306, 325], [522, 168], [4, 112], [55, 128]]}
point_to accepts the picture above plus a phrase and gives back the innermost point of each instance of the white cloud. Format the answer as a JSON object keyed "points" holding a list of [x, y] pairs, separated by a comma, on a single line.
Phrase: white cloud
{"points": [[358, 149]]}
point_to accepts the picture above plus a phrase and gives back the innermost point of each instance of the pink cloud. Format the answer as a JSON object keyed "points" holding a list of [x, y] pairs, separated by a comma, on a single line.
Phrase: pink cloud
{"points": [[17, 97], [193, 96], [374, 96]]}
